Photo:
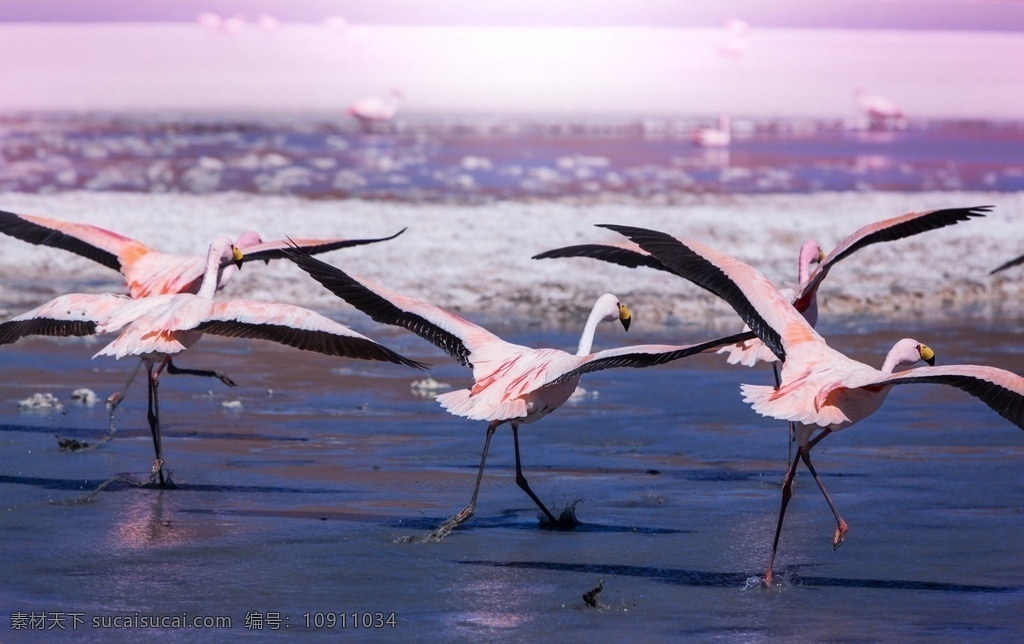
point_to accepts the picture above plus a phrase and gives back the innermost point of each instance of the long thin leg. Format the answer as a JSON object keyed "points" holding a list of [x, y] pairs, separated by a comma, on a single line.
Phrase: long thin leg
{"points": [[174, 370], [841, 527], [522, 482], [153, 414], [787, 494], [442, 530], [115, 398], [792, 425]]}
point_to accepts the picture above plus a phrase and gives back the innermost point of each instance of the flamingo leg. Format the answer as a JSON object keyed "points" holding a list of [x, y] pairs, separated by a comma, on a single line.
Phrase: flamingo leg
{"points": [[153, 413], [841, 527], [442, 530], [174, 370], [525, 485], [787, 494], [792, 425], [115, 398]]}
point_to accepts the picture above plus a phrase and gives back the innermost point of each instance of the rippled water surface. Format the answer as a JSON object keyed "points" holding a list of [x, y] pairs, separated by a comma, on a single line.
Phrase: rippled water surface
{"points": [[307, 492]]}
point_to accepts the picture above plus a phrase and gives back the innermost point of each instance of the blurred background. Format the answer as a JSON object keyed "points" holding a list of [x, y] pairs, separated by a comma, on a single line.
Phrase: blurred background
{"points": [[461, 100]]}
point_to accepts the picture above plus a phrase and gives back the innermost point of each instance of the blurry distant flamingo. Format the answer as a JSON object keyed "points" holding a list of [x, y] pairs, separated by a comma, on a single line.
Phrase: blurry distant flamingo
{"points": [[159, 327], [234, 25], [267, 23], [737, 40], [822, 389], [713, 137], [881, 112], [511, 383], [149, 272], [372, 111], [210, 21]]}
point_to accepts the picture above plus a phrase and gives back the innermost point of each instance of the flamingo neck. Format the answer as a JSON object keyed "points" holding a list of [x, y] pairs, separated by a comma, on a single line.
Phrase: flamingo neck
{"points": [[211, 276], [589, 329], [903, 352]]}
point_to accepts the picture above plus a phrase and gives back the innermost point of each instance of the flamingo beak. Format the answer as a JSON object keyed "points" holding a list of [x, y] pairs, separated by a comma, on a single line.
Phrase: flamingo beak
{"points": [[927, 354], [624, 316], [821, 256], [236, 256]]}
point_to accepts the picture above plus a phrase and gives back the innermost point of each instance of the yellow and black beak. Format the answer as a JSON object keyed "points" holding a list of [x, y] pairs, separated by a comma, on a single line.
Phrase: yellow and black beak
{"points": [[237, 256], [821, 256], [926, 354], [624, 316]]}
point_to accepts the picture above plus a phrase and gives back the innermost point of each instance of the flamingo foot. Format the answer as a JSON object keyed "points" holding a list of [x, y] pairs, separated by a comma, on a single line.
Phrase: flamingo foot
{"points": [[445, 528], [157, 475], [840, 535], [566, 520]]}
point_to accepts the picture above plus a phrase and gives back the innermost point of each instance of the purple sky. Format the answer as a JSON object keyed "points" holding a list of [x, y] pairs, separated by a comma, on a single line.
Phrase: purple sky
{"points": [[999, 15]]}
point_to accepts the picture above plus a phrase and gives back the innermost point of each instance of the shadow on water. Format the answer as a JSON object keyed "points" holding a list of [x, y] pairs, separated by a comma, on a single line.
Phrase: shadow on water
{"points": [[122, 484], [92, 431], [707, 579]]}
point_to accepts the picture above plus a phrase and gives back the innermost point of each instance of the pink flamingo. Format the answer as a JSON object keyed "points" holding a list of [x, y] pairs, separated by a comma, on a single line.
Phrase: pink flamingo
{"points": [[882, 112], [713, 137], [805, 295], [158, 327], [148, 272], [822, 389], [511, 383], [372, 111]]}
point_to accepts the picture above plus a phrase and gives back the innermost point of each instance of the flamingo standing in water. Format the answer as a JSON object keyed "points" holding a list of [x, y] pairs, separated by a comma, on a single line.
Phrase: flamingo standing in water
{"points": [[882, 113], [158, 327], [805, 296], [511, 383], [373, 111], [822, 389], [713, 137], [149, 272]]}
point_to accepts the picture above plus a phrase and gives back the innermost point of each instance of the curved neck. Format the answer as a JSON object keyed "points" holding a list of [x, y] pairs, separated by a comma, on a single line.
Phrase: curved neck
{"points": [[589, 329], [211, 274]]}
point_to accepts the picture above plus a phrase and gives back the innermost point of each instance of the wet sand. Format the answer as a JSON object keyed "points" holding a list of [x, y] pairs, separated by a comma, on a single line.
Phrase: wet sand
{"points": [[303, 499]]}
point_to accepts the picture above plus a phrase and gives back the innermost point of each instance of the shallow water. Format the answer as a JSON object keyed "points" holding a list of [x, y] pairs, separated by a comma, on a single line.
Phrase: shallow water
{"points": [[300, 502]]}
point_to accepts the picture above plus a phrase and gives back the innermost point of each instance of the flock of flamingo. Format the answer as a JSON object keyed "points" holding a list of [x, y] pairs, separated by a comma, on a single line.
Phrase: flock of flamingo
{"points": [[171, 303]]}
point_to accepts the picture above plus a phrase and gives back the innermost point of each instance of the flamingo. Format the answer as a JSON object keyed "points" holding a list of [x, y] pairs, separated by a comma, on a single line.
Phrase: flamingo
{"points": [[511, 383], [149, 272], [805, 296], [158, 327], [881, 111], [713, 137], [1010, 264], [371, 111], [822, 389]]}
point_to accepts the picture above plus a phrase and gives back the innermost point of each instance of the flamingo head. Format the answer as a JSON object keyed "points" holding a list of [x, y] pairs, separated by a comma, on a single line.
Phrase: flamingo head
{"points": [[608, 307], [908, 351]]}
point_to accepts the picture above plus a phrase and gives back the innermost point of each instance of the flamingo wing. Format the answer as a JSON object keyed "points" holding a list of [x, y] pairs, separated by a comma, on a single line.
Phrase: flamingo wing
{"points": [[1009, 264], [1001, 390], [644, 355], [890, 229], [457, 337], [295, 327], [277, 249], [92, 242], [763, 308], [620, 255], [75, 314]]}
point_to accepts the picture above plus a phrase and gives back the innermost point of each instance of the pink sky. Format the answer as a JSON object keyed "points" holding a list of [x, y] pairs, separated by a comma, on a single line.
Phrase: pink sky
{"points": [[540, 70]]}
